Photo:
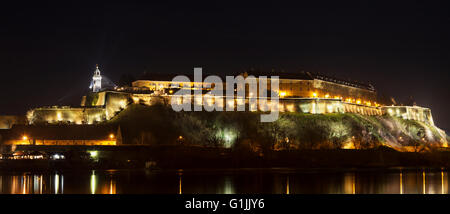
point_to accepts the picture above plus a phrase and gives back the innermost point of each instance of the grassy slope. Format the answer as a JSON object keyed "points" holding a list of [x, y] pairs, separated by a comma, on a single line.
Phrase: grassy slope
{"points": [[161, 125]]}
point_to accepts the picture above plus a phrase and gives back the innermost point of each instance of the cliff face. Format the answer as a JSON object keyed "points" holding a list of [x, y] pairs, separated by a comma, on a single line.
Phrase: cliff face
{"points": [[161, 125]]}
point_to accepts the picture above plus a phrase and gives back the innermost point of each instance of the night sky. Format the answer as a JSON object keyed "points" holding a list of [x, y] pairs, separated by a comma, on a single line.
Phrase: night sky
{"points": [[49, 51]]}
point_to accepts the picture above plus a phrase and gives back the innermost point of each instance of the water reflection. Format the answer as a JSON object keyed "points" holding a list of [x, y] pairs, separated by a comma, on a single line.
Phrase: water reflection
{"points": [[93, 182], [401, 182], [349, 183], [287, 185], [180, 191], [280, 181]]}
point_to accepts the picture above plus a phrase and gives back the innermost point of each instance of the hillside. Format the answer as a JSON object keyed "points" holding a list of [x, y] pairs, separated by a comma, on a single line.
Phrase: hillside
{"points": [[160, 125]]}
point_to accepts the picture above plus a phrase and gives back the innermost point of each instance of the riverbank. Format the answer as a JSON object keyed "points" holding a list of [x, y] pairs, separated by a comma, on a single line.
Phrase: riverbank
{"points": [[188, 157]]}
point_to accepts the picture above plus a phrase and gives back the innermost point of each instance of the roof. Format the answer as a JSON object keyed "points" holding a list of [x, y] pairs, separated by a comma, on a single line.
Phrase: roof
{"points": [[60, 132], [170, 76], [302, 75], [162, 76]]}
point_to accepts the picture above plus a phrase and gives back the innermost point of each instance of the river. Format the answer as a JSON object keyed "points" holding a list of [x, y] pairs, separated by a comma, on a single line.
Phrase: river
{"points": [[271, 181]]}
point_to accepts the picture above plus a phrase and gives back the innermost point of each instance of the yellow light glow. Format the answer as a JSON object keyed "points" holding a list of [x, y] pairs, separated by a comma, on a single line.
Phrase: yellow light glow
{"points": [[369, 104], [24, 138], [94, 154], [349, 145], [445, 145], [330, 108], [58, 116], [358, 102], [314, 94], [282, 94], [327, 95], [401, 183], [170, 91], [111, 136]]}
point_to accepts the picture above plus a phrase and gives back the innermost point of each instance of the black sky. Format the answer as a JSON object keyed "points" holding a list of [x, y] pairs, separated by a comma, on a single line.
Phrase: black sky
{"points": [[49, 50]]}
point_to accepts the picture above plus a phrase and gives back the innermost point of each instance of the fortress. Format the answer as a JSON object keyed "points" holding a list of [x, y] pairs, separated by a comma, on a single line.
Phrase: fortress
{"points": [[298, 92], [303, 92]]}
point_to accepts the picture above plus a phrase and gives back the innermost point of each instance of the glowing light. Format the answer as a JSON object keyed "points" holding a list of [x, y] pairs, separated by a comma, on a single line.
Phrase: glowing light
{"points": [[24, 137], [314, 94], [94, 154], [349, 145], [282, 94], [170, 91], [358, 102], [290, 107], [327, 95], [230, 103], [111, 136], [330, 108], [123, 103], [59, 116], [179, 100]]}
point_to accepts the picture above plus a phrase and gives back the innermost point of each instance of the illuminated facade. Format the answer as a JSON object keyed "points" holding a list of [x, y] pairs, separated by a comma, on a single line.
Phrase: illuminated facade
{"points": [[311, 85], [301, 92], [410, 113], [291, 85]]}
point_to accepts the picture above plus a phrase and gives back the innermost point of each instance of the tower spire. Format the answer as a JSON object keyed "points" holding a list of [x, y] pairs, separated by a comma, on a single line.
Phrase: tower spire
{"points": [[97, 80]]}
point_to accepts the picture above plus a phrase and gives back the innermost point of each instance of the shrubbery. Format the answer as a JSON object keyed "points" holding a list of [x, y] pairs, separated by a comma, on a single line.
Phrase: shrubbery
{"points": [[161, 125]]}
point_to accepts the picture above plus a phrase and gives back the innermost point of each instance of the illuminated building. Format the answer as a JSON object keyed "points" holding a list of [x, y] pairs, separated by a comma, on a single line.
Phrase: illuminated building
{"points": [[96, 81], [298, 92], [101, 135]]}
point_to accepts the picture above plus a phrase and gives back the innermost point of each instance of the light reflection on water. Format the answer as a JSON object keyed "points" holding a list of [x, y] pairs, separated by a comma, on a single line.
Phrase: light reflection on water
{"points": [[279, 181]]}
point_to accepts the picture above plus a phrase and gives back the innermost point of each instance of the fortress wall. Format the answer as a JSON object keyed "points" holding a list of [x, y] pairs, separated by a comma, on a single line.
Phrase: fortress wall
{"points": [[410, 113], [361, 109], [295, 88], [291, 88], [160, 85], [66, 115], [304, 105], [94, 99], [115, 102]]}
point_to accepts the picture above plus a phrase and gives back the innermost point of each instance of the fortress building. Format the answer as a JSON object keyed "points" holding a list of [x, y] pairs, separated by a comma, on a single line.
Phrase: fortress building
{"points": [[304, 92], [96, 84]]}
